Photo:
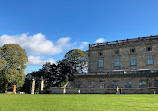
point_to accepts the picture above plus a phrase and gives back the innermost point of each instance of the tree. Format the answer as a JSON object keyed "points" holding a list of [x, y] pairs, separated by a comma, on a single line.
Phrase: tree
{"points": [[65, 70], [3, 64], [13, 61], [49, 74], [27, 86], [78, 60], [55, 75]]}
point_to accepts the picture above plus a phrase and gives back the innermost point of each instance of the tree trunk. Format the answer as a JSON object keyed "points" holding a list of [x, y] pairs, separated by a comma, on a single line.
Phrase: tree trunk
{"points": [[5, 86]]}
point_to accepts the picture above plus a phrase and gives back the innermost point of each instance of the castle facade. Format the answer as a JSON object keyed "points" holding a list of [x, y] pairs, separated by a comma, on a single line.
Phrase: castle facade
{"points": [[127, 64]]}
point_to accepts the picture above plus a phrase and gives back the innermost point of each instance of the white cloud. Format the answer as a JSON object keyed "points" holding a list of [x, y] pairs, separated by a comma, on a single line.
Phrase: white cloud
{"points": [[83, 45], [37, 43], [80, 45], [37, 60], [100, 40]]}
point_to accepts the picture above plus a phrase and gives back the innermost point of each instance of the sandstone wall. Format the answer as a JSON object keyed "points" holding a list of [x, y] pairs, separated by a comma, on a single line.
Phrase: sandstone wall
{"points": [[108, 55], [104, 90]]}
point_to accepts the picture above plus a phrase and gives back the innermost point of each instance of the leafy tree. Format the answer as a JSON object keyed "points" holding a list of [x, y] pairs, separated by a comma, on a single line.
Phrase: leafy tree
{"points": [[65, 70], [3, 64], [78, 60], [27, 86], [37, 75], [50, 72], [13, 63], [55, 75]]}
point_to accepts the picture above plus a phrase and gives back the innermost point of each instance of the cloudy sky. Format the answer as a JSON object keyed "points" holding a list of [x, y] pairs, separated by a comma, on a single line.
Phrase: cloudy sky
{"points": [[47, 29]]}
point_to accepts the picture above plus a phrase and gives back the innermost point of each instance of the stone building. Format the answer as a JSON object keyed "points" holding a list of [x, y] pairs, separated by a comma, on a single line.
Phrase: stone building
{"points": [[125, 55], [131, 65]]}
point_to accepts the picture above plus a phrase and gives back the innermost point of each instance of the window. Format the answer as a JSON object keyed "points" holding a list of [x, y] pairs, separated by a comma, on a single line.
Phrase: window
{"points": [[102, 84], [149, 60], [100, 63], [100, 53], [80, 84], [117, 62], [156, 84], [117, 52], [90, 84], [132, 50], [149, 48], [114, 84], [142, 84], [128, 85], [133, 61]]}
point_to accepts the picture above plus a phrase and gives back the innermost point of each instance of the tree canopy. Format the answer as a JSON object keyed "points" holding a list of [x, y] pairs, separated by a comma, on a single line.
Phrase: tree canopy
{"points": [[13, 60], [78, 60], [53, 74]]}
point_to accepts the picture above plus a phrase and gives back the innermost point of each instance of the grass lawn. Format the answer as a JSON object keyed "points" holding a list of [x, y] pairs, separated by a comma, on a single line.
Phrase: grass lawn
{"points": [[78, 102]]}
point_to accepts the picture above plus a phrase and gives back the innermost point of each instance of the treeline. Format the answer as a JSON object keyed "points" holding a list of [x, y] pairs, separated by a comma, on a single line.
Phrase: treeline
{"points": [[56, 75], [13, 61]]}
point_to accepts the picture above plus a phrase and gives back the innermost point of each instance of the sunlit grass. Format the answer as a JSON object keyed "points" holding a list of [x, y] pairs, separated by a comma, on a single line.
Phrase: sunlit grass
{"points": [[78, 102]]}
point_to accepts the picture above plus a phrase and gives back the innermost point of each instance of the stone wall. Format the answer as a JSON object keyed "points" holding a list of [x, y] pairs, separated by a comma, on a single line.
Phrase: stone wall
{"points": [[104, 90], [56, 90], [113, 81], [53, 90], [107, 53]]}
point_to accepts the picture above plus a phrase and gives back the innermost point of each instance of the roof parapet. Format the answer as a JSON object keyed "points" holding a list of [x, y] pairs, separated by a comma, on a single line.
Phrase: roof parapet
{"points": [[124, 41]]}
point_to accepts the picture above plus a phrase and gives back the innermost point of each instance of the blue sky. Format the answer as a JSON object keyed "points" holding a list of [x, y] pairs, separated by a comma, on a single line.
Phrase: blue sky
{"points": [[47, 29]]}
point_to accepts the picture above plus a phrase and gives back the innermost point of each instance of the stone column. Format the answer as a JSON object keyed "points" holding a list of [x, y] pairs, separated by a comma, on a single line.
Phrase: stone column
{"points": [[33, 86], [42, 84]]}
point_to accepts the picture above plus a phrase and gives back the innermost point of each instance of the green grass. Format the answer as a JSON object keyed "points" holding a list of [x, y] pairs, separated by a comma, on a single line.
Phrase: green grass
{"points": [[80, 102]]}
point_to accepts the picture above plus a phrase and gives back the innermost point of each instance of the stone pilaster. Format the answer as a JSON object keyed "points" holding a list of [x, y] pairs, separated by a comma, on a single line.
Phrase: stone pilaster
{"points": [[33, 86], [42, 84]]}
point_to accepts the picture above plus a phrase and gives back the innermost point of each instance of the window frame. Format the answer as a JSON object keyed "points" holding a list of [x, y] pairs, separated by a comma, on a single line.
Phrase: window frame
{"points": [[142, 85], [90, 84], [128, 84], [133, 61], [117, 51], [102, 84], [156, 83], [114, 83], [149, 48], [132, 50], [150, 60], [117, 62], [80, 84], [100, 63], [100, 53]]}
